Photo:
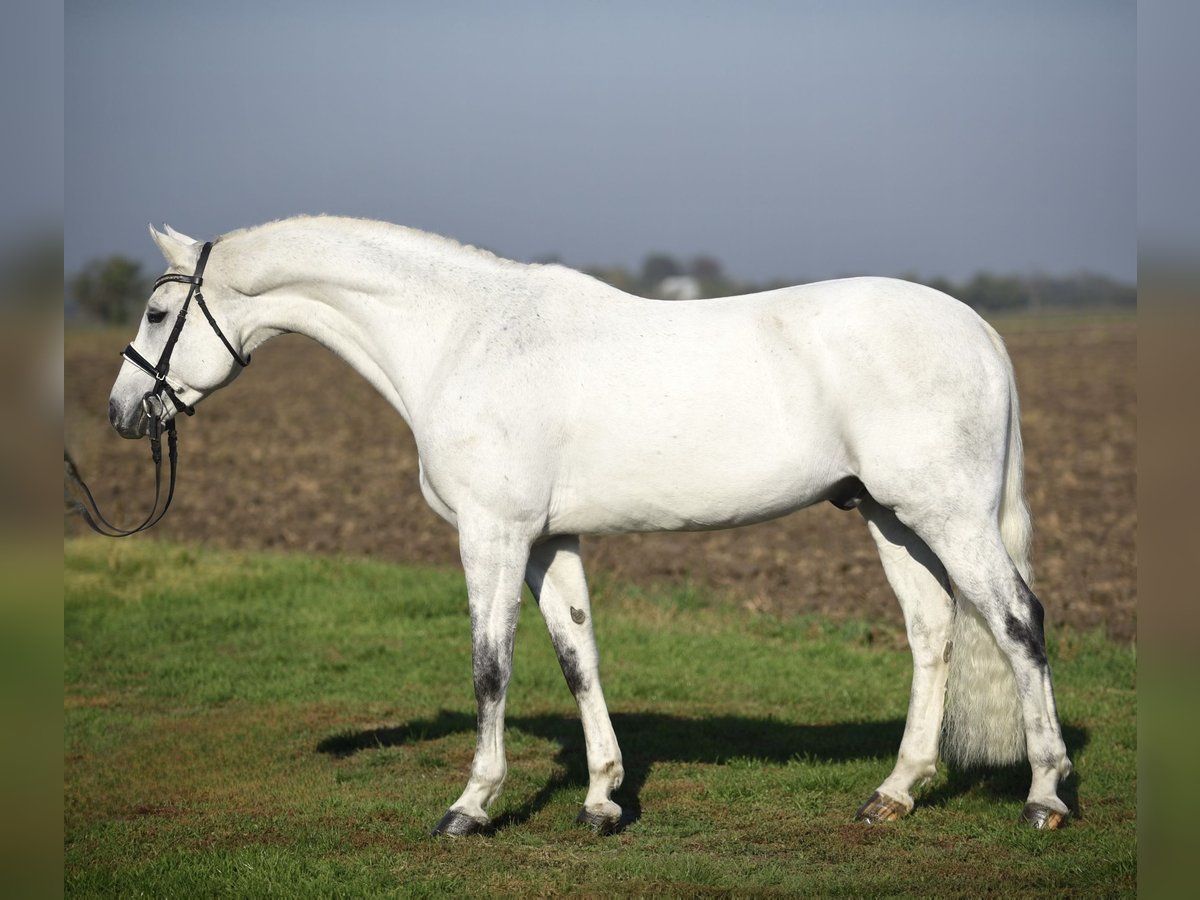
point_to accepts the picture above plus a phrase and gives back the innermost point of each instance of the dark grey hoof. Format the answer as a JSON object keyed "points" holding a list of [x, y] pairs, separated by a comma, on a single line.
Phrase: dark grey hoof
{"points": [[1042, 817], [458, 824], [598, 822], [879, 808]]}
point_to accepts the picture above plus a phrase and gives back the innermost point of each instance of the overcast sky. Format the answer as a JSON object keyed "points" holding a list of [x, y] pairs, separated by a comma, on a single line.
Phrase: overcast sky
{"points": [[788, 139]]}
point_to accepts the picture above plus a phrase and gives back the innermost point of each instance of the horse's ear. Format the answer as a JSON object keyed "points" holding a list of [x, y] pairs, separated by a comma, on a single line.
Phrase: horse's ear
{"points": [[179, 250], [179, 235]]}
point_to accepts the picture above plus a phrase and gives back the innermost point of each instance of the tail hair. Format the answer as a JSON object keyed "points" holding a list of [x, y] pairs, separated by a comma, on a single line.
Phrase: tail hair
{"points": [[983, 723]]}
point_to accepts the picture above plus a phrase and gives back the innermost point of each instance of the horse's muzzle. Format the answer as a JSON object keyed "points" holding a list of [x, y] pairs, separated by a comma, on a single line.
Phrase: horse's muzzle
{"points": [[127, 426]]}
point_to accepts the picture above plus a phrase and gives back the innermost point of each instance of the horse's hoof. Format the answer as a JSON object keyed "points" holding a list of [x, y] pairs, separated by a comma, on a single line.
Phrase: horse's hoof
{"points": [[458, 824], [1042, 817], [599, 822], [880, 809]]}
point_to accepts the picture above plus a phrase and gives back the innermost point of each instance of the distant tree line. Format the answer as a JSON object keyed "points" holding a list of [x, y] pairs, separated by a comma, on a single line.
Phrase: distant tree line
{"points": [[1032, 293], [985, 292], [114, 289], [704, 270]]}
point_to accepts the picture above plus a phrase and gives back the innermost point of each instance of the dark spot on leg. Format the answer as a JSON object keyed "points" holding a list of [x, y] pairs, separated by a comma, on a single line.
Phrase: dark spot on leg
{"points": [[1024, 635], [578, 616], [1037, 613], [1031, 635], [489, 676], [568, 659]]}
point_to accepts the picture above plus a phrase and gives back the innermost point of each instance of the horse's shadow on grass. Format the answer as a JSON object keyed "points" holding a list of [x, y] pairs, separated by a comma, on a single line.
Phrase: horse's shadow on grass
{"points": [[648, 738]]}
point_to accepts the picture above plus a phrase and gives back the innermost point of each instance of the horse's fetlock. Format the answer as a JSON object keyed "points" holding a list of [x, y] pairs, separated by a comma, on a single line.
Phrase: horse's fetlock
{"points": [[917, 770], [612, 772], [490, 774]]}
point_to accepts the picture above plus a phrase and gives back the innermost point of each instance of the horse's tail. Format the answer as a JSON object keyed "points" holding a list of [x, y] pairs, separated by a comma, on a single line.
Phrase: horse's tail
{"points": [[983, 723]]}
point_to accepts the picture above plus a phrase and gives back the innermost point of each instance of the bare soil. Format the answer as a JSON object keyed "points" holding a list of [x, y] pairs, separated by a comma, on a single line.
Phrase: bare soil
{"points": [[302, 455]]}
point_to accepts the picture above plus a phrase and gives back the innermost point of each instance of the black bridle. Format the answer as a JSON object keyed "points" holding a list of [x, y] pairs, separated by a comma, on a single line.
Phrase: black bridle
{"points": [[153, 406]]}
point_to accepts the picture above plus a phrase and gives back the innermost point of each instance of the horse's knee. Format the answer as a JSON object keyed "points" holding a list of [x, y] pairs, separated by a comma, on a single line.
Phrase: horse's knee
{"points": [[491, 671]]}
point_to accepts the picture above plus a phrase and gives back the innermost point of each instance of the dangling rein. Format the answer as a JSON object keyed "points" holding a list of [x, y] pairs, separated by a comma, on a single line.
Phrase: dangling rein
{"points": [[155, 410]]}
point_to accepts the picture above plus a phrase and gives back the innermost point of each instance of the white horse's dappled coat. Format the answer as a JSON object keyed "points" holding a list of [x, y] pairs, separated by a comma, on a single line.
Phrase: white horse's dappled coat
{"points": [[546, 405]]}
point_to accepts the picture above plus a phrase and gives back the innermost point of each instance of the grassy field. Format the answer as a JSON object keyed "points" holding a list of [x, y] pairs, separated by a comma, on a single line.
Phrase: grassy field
{"points": [[270, 725]]}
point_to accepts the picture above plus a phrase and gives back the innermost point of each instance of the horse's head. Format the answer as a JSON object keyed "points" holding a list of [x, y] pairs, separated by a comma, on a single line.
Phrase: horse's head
{"points": [[201, 356]]}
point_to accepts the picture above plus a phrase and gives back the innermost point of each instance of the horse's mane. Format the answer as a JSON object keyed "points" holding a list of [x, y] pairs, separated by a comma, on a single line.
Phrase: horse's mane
{"points": [[356, 223]]}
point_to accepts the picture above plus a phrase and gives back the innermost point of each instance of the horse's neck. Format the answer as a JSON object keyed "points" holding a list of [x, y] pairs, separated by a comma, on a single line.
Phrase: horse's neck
{"points": [[384, 309]]}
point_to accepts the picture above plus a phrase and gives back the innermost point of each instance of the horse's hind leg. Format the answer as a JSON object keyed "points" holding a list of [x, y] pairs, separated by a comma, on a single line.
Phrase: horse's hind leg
{"points": [[920, 584], [985, 576], [555, 577]]}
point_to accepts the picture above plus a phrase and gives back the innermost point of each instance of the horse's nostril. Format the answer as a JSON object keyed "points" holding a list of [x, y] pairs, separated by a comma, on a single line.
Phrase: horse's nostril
{"points": [[112, 413]]}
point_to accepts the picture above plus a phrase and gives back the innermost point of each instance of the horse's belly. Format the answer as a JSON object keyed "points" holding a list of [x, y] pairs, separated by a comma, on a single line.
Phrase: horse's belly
{"points": [[661, 491], [742, 437]]}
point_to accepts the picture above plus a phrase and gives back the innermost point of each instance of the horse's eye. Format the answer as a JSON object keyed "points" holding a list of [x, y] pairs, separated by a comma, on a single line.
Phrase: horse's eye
{"points": [[154, 316]]}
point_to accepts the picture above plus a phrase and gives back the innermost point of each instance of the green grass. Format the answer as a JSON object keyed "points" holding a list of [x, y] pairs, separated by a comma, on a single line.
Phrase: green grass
{"points": [[264, 725]]}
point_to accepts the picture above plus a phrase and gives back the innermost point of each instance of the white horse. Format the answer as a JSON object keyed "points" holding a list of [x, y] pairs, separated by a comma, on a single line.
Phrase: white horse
{"points": [[546, 405]]}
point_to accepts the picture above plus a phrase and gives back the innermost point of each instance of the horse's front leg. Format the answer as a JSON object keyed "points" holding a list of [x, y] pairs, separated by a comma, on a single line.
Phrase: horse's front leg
{"points": [[555, 577], [494, 558]]}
